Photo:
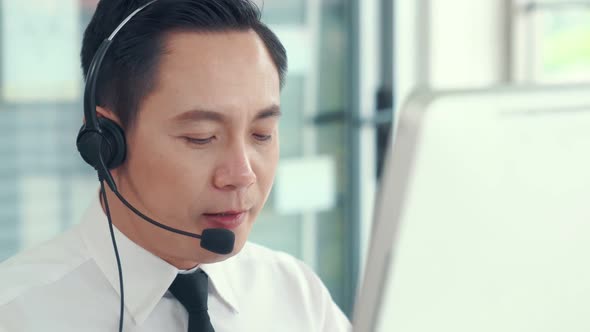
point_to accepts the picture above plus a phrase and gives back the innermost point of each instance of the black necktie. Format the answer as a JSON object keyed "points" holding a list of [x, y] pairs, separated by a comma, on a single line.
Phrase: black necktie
{"points": [[191, 292]]}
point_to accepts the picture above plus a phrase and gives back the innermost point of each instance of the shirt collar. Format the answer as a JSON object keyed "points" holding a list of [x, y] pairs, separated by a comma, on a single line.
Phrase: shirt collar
{"points": [[146, 276], [219, 278]]}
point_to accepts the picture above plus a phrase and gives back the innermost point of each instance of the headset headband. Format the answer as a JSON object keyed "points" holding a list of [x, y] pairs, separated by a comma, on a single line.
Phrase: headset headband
{"points": [[93, 70]]}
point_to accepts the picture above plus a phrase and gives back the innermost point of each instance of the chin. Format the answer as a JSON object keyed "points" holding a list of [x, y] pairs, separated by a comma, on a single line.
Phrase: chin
{"points": [[211, 258], [208, 257]]}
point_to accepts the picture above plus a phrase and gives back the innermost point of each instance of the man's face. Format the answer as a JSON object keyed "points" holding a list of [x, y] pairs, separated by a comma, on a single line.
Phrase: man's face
{"points": [[204, 148]]}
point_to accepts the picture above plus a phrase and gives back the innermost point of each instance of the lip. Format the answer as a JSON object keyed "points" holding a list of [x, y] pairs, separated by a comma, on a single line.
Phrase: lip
{"points": [[230, 219]]}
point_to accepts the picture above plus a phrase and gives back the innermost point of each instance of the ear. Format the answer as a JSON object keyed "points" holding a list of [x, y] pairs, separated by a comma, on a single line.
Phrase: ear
{"points": [[106, 113]]}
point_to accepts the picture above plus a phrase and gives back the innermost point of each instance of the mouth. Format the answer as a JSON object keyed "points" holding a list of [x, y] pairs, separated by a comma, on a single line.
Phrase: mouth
{"points": [[225, 219]]}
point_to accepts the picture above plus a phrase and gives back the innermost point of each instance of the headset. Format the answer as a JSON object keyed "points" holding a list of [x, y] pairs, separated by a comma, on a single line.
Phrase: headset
{"points": [[101, 143]]}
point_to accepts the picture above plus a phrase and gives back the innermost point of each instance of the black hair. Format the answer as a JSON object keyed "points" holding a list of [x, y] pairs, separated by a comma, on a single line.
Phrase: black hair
{"points": [[129, 70]]}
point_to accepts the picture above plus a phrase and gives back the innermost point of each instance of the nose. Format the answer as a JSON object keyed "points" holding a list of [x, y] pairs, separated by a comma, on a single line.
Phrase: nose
{"points": [[235, 171]]}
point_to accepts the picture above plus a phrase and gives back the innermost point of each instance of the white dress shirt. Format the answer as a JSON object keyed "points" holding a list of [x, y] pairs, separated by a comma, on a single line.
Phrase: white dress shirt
{"points": [[71, 284]]}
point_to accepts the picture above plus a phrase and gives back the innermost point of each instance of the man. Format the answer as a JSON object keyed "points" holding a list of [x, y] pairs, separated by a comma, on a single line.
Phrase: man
{"points": [[195, 86]]}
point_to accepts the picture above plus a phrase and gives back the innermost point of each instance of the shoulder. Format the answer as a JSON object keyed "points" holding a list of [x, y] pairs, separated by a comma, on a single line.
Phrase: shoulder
{"points": [[274, 261], [280, 268], [40, 266], [284, 274]]}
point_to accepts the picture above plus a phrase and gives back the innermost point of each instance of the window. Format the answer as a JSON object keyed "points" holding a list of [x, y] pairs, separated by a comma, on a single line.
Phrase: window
{"points": [[551, 41]]}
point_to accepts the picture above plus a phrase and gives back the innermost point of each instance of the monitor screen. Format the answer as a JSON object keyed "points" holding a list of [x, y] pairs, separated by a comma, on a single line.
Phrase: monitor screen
{"points": [[491, 228]]}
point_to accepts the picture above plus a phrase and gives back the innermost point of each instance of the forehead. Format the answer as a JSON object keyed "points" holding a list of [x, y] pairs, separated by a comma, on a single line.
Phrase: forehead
{"points": [[221, 71]]}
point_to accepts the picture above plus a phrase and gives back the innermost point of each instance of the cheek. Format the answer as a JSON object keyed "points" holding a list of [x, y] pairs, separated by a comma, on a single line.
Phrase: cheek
{"points": [[266, 168], [158, 158], [187, 170], [174, 173]]}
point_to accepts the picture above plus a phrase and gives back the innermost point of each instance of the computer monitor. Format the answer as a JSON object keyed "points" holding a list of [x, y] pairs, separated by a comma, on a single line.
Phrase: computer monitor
{"points": [[482, 221]]}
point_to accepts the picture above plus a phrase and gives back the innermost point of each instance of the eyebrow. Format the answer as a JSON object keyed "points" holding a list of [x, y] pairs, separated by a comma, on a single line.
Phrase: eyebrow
{"points": [[196, 115]]}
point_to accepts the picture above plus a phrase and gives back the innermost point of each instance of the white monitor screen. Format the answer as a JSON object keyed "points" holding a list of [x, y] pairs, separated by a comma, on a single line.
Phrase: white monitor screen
{"points": [[492, 224]]}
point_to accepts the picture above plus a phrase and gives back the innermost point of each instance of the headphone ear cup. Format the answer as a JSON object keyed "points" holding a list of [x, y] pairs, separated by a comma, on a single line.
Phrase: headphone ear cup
{"points": [[111, 143], [114, 155]]}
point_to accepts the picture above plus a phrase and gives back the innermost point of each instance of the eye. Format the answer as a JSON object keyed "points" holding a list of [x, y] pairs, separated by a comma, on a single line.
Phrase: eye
{"points": [[262, 138], [199, 141]]}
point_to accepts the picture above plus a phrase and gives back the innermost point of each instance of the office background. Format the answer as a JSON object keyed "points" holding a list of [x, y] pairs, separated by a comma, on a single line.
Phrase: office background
{"points": [[352, 62]]}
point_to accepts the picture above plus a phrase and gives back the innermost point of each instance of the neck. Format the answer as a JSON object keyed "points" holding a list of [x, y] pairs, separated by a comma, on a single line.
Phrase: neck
{"points": [[136, 229]]}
